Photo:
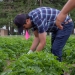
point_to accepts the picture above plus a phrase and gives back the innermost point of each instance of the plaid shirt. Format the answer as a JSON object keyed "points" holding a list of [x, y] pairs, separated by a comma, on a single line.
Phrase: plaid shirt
{"points": [[44, 18]]}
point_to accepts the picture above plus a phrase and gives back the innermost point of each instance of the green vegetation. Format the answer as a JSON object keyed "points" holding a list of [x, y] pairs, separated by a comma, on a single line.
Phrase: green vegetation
{"points": [[14, 59]]}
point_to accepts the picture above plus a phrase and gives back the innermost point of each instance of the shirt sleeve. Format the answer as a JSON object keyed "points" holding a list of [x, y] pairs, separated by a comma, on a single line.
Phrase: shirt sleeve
{"points": [[39, 23]]}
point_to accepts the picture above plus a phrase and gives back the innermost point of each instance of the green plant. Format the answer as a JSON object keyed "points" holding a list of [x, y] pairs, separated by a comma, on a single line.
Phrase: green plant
{"points": [[42, 63], [13, 50], [3, 56]]}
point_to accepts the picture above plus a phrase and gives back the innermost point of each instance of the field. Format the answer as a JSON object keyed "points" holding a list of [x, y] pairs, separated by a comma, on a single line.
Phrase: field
{"points": [[14, 59]]}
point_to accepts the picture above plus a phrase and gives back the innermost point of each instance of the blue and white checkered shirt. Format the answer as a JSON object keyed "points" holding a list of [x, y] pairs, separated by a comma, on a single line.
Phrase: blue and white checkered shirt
{"points": [[43, 18]]}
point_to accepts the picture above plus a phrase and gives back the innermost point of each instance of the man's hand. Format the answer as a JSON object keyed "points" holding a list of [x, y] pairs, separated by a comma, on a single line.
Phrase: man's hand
{"points": [[30, 51], [59, 19], [58, 23]]}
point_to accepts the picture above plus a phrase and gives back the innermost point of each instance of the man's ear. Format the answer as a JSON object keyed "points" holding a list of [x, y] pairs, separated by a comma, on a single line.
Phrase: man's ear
{"points": [[27, 20]]}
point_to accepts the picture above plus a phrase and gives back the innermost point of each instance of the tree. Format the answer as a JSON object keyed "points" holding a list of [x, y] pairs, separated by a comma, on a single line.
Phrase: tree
{"points": [[10, 8]]}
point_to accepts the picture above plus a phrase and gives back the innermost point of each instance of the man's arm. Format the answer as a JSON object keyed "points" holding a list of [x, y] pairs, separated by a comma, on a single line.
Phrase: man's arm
{"points": [[65, 10], [42, 41], [39, 41], [35, 41], [68, 7]]}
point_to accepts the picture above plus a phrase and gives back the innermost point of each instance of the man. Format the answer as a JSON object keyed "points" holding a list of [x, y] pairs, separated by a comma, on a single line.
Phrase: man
{"points": [[42, 20], [65, 10]]}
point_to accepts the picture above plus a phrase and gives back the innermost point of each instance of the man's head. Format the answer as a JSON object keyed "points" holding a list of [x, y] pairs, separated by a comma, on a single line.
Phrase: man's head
{"points": [[22, 21]]}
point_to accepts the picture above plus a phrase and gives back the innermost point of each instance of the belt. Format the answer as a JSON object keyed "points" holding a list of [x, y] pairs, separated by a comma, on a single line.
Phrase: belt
{"points": [[68, 21]]}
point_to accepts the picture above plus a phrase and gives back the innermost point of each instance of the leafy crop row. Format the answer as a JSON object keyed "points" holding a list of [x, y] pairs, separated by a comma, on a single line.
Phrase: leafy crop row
{"points": [[42, 63], [14, 59]]}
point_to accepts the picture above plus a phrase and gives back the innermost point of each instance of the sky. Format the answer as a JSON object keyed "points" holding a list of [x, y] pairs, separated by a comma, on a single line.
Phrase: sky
{"points": [[1, 0]]}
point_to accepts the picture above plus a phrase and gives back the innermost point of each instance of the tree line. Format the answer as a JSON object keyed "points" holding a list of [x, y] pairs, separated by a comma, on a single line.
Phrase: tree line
{"points": [[10, 8]]}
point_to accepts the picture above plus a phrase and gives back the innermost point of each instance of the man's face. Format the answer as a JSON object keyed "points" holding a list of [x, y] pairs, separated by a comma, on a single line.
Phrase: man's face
{"points": [[28, 24]]}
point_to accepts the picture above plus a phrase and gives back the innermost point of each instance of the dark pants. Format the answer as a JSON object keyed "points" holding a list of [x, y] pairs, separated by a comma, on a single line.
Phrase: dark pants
{"points": [[59, 38]]}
